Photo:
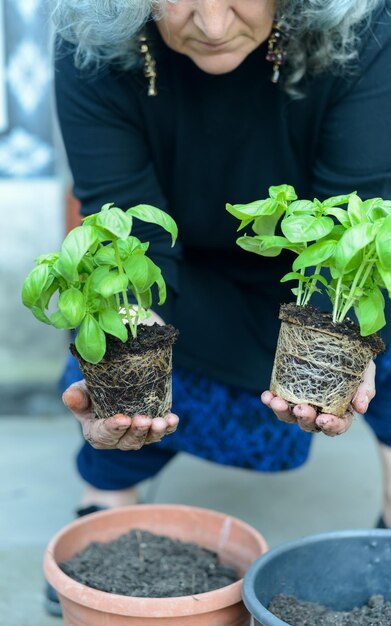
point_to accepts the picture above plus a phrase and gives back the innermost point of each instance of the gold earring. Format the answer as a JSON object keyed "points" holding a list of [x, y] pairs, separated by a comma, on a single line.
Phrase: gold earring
{"points": [[149, 65], [276, 52]]}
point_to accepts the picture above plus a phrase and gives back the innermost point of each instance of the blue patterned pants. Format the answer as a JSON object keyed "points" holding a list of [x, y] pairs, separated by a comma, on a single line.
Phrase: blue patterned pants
{"points": [[220, 423]]}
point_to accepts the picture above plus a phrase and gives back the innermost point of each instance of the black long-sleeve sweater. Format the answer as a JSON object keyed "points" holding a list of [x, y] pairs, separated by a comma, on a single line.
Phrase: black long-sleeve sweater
{"points": [[205, 140]]}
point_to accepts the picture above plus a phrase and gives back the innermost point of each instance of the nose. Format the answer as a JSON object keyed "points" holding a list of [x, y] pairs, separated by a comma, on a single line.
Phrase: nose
{"points": [[213, 18]]}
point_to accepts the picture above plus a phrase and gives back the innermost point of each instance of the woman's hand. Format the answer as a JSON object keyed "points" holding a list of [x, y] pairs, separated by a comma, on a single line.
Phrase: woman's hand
{"points": [[119, 431], [308, 419]]}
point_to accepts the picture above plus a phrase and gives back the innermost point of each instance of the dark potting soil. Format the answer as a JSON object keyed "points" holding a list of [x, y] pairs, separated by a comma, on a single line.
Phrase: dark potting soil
{"points": [[148, 338], [312, 317], [143, 564], [376, 612]]}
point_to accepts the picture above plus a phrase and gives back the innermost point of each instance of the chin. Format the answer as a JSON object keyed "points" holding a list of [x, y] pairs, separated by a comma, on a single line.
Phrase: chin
{"points": [[218, 63]]}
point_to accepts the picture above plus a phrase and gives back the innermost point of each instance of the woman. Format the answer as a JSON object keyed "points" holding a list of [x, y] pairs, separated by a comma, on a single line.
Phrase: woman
{"points": [[213, 101]]}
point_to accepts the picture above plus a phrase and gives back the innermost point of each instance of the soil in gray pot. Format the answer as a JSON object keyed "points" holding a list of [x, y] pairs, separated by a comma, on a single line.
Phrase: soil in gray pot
{"points": [[376, 612], [143, 564]]}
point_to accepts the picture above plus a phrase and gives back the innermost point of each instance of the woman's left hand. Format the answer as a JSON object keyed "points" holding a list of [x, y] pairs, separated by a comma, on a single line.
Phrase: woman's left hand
{"points": [[310, 421]]}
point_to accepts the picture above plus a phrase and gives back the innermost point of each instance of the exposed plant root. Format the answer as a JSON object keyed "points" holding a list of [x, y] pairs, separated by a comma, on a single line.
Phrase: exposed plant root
{"points": [[319, 367], [133, 383]]}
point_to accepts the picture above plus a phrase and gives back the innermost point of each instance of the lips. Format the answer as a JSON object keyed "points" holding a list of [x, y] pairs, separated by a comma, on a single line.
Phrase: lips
{"points": [[214, 46]]}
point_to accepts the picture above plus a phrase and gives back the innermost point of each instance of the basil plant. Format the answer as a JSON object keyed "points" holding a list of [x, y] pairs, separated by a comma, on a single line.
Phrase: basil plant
{"points": [[348, 236], [98, 265]]}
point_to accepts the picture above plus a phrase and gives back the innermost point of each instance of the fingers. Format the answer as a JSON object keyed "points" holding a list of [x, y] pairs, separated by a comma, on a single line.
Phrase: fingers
{"points": [[279, 406], [331, 425], [306, 418], [76, 397], [162, 426], [366, 390], [134, 438], [128, 433], [119, 431]]}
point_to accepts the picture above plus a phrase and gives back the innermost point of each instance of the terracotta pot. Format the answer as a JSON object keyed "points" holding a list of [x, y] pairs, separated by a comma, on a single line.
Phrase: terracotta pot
{"points": [[236, 543]]}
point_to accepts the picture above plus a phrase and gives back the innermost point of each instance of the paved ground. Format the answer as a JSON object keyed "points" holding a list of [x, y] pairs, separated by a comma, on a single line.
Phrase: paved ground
{"points": [[340, 487]]}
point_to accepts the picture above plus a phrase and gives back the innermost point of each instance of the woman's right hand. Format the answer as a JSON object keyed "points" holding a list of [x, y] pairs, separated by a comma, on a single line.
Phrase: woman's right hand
{"points": [[120, 432]]}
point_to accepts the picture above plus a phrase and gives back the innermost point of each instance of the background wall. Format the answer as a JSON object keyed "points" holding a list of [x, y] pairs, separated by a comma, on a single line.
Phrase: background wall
{"points": [[32, 180]]}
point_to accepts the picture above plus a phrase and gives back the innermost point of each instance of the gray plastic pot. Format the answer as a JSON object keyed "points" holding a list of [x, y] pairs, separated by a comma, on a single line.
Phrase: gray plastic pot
{"points": [[338, 569]]}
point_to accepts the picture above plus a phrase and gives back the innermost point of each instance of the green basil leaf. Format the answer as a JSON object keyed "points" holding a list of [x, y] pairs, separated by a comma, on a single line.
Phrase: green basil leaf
{"points": [[50, 258], [301, 206], [254, 209], [384, 279], [245, 223], [266, 224], [267, 245], [319, 278], [90, 340], [74, 247], [140, 272], [356, 211], [349, 249], [146, 299], [373, 209], [115, 222], [305, 228], [337, 200], [341, 215], [132, 245], [106, 256], [38, 312], [295, 276], [370, 312], [152, 215], [59, 321], [86, 265], [51, 288], [35, 284], [283, 193], [383, 243], [111, 283], [161, 287], [72, 305], [111, 322], [315, 254]]}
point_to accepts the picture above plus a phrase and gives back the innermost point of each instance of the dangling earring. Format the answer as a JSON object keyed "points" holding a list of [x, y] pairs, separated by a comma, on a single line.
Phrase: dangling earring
{"points": [[149, 65], [276, 52]]}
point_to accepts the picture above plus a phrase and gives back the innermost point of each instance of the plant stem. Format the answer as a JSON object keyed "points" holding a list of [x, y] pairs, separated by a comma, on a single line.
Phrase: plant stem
{"points": [[132, 326], [300, 290], [359, 281], [337, 297], [310, 287]]}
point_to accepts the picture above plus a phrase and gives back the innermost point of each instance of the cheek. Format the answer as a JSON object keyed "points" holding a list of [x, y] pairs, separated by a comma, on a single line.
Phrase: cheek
{"points": [[173, 17]]}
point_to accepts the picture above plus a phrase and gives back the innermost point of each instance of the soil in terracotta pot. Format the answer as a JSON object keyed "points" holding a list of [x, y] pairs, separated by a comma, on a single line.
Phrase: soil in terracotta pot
{"points": [[143, 564], [376, 612]]}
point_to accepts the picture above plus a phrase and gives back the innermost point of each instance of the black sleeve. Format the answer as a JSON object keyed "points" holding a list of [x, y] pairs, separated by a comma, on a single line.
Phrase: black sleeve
{"points": [[355, 148], [102, 127]]}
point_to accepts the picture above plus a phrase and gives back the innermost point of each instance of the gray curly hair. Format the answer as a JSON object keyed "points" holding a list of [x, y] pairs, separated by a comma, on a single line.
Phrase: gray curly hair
{"points": [[323, 33]]}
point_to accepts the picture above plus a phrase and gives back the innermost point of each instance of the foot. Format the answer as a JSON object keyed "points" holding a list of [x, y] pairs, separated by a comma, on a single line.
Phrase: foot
{"points": [[109, 499], [385, 456], [93, 500]]}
